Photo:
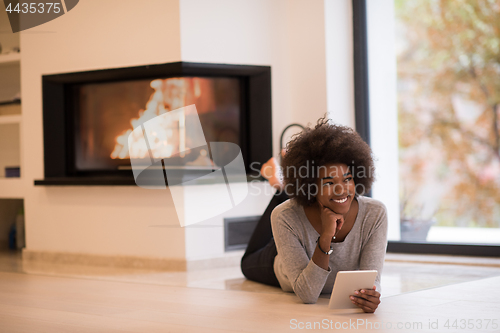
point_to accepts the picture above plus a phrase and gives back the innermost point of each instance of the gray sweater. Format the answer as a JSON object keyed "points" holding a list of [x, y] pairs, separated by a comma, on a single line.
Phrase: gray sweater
{"points": [[363, 248]]}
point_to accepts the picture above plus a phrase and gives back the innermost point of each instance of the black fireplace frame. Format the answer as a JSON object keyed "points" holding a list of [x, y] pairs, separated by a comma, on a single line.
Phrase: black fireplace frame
{"points": [[58, 117]]}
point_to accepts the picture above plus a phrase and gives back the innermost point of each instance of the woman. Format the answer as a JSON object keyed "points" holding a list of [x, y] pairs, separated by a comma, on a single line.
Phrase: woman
{"points": [[327, 225]]}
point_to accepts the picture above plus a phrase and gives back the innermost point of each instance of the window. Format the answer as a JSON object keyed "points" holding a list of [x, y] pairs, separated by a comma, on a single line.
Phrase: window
{"points": [[433, 66]]}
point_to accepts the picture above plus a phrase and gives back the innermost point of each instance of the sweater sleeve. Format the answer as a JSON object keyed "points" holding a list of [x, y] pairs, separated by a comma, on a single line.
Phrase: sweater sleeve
{"points": [[375, 244], [307, 278]]}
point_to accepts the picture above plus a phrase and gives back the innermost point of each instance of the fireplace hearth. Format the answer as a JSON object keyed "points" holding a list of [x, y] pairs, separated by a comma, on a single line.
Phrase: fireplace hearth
{"points": [[87, 117]]}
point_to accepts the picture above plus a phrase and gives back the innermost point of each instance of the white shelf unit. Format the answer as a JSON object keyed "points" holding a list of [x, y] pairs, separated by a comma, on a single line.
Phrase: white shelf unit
{"points": [[12, 191], [10, 188], [10, 58], [10, 148], [10, 119]]}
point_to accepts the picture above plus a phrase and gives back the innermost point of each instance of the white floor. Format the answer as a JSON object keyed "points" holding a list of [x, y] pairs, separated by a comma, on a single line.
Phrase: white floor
{"points": [[420, 294]]}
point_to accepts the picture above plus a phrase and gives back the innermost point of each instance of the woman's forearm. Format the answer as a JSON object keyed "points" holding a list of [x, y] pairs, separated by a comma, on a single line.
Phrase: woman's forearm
{"points": [[319, 257]]}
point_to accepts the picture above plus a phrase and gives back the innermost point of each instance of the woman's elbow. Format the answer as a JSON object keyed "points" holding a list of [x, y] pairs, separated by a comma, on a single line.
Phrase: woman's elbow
{"points": [[307, 298]]}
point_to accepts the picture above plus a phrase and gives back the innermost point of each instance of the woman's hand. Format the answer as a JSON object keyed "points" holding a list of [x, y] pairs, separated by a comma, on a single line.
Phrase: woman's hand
{"points": [[367, 299], [331, 222]]}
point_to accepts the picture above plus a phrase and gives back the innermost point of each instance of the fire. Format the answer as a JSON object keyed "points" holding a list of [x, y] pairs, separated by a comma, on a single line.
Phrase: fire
{"points": [[169, 135]]}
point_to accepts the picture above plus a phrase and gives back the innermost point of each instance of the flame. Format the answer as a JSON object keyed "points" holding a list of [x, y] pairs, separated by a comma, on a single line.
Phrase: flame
{"points": [[167, 138]]}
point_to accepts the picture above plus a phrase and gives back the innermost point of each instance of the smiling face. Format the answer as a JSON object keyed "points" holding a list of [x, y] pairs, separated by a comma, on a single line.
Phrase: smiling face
{"points": [[336, 187]]}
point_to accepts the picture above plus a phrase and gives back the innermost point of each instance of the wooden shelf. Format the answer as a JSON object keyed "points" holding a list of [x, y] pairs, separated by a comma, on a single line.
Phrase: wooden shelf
{"points": [[10, 58], [11, 119], [11, 188]]}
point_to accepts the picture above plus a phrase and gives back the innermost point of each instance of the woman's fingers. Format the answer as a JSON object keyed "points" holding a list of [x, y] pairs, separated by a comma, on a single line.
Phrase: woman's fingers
{"points": [[331, 221], [368, 293], [340, 223], [371, 299], [366, 299], [364, 304]]}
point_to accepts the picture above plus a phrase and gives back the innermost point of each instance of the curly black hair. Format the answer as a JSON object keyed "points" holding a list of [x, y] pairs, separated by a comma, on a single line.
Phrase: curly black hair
{"points": [[324, 144]]}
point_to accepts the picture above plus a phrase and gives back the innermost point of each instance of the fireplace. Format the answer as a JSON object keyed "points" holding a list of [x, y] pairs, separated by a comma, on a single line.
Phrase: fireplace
{"points": [[87, 117]]}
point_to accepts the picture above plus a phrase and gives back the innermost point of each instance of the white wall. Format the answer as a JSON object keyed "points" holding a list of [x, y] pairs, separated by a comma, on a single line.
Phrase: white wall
{"points": [[339, 61], [306, 34], [286, 35]]}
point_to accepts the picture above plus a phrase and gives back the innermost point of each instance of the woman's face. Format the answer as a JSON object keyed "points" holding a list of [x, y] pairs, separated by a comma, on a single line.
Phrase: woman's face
{"points": [[336, 187]]}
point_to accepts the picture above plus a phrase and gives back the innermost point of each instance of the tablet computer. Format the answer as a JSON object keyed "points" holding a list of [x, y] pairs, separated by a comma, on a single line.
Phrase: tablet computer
{"points": [[346, 283]]}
